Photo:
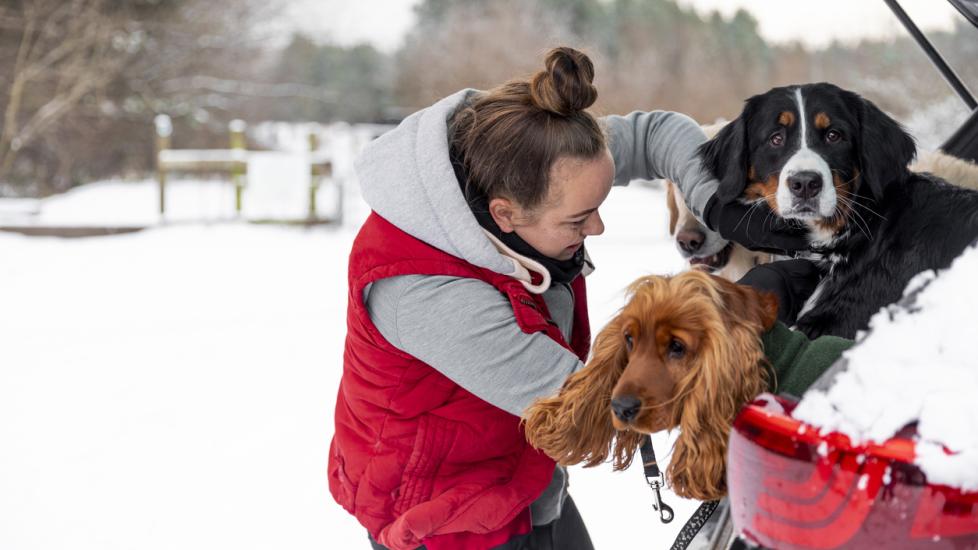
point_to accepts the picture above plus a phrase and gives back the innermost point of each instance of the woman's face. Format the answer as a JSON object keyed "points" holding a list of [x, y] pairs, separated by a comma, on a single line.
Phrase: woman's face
{"points": [[557, 228]]}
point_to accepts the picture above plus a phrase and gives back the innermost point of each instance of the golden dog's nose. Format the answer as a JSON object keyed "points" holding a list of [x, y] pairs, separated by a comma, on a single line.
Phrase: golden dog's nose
{"points": [[626, 408]]}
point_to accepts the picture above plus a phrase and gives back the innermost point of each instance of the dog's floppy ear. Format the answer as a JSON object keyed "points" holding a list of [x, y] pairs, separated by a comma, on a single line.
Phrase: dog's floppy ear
{"points": [[671, 196], [768, 304], [728, 373], [726, 157], [884, 147], [755, 305], [575, 426]]}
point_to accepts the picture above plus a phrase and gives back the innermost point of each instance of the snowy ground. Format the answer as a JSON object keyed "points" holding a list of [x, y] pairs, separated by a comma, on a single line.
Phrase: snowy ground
{"points": [[174, 388]]}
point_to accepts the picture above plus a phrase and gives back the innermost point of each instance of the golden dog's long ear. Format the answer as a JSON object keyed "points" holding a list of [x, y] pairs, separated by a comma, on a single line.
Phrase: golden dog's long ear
{"points": [[575, 426], [751, 305], [697, 468], [729, 373], [768, 309]]}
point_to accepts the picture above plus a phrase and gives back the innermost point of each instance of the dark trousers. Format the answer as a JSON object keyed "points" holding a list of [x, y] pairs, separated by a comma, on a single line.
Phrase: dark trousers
{"points": [[566, 533]]}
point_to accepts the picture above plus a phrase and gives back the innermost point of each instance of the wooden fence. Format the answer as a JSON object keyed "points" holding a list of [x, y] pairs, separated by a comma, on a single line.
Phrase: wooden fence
{"points": [[232, 163]]}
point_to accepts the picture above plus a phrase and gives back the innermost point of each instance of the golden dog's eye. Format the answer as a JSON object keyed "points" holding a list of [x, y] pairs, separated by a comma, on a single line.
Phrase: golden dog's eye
{"points": [[676, 349], [833, 136], [629, 342], [777, 139]]}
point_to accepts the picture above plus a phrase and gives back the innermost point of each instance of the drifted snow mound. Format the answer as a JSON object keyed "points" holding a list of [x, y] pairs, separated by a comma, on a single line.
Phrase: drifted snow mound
{"points": [[917, 363]]}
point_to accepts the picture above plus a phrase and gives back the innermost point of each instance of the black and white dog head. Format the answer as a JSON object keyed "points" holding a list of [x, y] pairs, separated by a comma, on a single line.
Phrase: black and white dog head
{"points": [[810, 152]]}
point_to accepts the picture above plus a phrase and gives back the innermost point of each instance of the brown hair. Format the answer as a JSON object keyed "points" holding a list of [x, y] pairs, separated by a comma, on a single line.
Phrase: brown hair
{"points": [[510, 136]]}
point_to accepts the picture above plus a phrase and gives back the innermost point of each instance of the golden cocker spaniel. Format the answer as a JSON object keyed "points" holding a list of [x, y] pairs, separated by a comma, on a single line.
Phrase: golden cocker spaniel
{"points": [[684, 352]]}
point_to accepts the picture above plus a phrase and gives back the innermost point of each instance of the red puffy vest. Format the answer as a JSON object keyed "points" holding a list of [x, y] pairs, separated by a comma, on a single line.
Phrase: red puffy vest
{"points": [[416, 458]]}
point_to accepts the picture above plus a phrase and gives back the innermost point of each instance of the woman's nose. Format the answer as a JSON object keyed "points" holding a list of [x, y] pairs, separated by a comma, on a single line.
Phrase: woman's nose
{"points": [[594, 225]]}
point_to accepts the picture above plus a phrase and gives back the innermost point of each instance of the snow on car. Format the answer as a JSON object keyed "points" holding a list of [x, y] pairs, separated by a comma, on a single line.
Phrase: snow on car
{"points": [[883, 451]]}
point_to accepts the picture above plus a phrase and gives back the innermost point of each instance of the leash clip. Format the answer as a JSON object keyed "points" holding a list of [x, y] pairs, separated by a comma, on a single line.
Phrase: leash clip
{"points": [[665, 511]]}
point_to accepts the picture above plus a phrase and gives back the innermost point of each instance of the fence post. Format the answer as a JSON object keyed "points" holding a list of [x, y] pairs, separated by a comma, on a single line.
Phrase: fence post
{"points": [[238, 167], [313, 174], [164, 128], [339, 196]]}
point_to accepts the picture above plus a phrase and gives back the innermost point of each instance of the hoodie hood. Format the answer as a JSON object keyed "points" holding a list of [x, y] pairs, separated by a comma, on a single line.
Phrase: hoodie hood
{"points": [[406, 177]]}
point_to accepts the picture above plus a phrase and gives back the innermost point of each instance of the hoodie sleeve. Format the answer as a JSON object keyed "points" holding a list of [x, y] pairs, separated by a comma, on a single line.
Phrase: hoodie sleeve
{"points": [[661, 144], [466, 329]]}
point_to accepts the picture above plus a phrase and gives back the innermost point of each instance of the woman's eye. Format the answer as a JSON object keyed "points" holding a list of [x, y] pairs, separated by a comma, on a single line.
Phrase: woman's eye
{"points": [[629, 342], [777, 139], [676, 349], [833, 136], [578, 223]]}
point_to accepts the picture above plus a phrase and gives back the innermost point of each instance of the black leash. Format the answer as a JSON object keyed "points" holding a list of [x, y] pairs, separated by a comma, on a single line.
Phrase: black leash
{"points": [[695, 523], [655, 479]]}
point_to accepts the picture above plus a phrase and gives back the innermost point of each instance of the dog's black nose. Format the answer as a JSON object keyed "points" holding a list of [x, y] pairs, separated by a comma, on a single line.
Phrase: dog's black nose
{"points": [[626, 408], [805, 184], [690, 240]]}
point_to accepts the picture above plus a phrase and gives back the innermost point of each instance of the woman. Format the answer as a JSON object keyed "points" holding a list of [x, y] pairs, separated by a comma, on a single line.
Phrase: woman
{"points": [[467, 302]]}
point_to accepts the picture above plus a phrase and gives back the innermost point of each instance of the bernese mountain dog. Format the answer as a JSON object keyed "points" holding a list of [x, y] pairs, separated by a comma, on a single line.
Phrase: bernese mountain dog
{"points": [[835, 163]]}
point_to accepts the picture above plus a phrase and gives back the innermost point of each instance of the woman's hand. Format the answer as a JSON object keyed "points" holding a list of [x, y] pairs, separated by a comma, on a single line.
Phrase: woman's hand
{"points": [[792, 281], [755, 227]]}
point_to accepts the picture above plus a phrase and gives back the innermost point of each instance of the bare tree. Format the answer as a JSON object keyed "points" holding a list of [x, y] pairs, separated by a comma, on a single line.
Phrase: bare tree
{"points": [[81, 80], [477, 44], [68, 49], [650, 54]]}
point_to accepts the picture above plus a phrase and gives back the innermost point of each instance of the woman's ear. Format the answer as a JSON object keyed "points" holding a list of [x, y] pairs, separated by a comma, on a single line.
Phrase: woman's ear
{"points": [[503, 211], [575, 426]]}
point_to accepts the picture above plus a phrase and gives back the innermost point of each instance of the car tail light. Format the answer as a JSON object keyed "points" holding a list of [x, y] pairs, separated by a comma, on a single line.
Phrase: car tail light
{"points": [[795, 489]]}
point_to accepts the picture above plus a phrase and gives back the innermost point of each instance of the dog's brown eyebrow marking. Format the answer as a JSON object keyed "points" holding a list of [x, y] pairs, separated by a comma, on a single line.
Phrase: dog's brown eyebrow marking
{"points": [[765, 190], [787, 118], [822, 121]]}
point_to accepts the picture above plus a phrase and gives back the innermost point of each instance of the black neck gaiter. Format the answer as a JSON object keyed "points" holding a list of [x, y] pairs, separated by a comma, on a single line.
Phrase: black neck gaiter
{"points": [[561, 271]]}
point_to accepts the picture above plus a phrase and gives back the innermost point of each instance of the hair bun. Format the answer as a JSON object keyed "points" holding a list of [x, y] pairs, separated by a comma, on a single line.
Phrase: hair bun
{"points": [[565, 86]]}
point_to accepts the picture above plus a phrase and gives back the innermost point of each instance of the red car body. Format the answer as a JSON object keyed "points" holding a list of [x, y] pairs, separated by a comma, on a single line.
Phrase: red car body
{"points": [[793, 488]]}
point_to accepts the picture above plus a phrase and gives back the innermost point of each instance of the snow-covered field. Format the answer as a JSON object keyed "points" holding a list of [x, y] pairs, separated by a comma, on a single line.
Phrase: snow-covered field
{"points": [[174, 388]]}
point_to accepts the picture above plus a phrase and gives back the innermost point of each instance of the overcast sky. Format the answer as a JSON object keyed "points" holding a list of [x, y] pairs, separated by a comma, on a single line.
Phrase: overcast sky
{"points": [[814, 22]]}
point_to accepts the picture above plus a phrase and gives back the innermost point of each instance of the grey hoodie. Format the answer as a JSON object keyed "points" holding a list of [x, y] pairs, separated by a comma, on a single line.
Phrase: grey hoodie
{"points": [[465, 328]]}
